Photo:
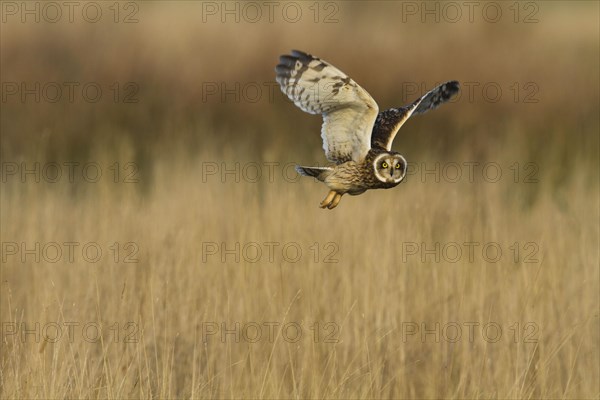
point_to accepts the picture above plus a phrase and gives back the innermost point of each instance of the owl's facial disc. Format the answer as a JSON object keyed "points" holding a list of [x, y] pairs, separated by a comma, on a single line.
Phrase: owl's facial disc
{"points": [[390, 168]]}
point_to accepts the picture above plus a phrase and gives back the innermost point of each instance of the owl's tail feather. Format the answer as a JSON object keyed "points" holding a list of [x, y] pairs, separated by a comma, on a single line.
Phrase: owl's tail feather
{"points": [[317, 172]]}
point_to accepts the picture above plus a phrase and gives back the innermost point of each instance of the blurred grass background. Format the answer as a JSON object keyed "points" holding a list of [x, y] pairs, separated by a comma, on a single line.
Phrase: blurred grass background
{"points": [[173, 57]]}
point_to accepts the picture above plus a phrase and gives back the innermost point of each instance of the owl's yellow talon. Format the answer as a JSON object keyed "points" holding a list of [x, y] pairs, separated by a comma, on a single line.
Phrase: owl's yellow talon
{"points": [[331, 200], [328, 199], [335, 202]]}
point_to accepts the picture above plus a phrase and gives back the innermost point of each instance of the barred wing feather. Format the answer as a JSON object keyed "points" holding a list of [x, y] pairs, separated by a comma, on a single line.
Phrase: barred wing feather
{"points": [[348, 111]]}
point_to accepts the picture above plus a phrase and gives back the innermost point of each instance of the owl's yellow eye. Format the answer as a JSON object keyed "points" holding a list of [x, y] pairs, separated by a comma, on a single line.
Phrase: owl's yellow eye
{"points": [[398, 166], [384, 165]]}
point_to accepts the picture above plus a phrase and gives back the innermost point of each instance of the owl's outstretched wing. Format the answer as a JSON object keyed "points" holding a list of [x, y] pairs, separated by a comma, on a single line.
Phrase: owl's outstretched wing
{"points": [[349, 112], [389, 121]]}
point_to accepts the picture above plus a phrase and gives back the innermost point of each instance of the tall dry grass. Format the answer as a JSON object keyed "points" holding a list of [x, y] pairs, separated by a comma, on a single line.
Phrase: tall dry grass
{"points": [[356, 313], [373, 293]]}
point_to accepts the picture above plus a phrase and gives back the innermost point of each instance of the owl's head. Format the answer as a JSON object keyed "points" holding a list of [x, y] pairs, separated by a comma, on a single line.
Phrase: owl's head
{"points": [[390, 168]]}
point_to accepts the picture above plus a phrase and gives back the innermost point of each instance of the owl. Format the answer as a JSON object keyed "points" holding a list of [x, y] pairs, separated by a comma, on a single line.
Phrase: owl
{"points": [[357, 138]]}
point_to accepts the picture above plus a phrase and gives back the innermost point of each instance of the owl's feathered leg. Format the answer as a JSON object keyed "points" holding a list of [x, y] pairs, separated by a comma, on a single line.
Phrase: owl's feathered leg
{"points": [[335, 201], [328, 199]]}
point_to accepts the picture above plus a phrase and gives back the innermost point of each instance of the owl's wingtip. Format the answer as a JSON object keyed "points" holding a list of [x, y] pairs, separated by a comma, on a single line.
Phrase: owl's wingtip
{"points": [[453, 85]]}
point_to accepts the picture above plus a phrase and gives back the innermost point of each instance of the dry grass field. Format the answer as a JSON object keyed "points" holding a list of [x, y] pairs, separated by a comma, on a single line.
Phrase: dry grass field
{"points": [[177, 254]]}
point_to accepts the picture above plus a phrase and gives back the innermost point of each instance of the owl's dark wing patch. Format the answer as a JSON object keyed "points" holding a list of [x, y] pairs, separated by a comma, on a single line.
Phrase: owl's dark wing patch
{"points": [[348, 111], [388, 122]]}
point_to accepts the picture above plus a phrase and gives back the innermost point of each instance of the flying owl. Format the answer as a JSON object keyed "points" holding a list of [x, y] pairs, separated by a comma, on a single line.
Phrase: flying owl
{"points": [[356, 136]]}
